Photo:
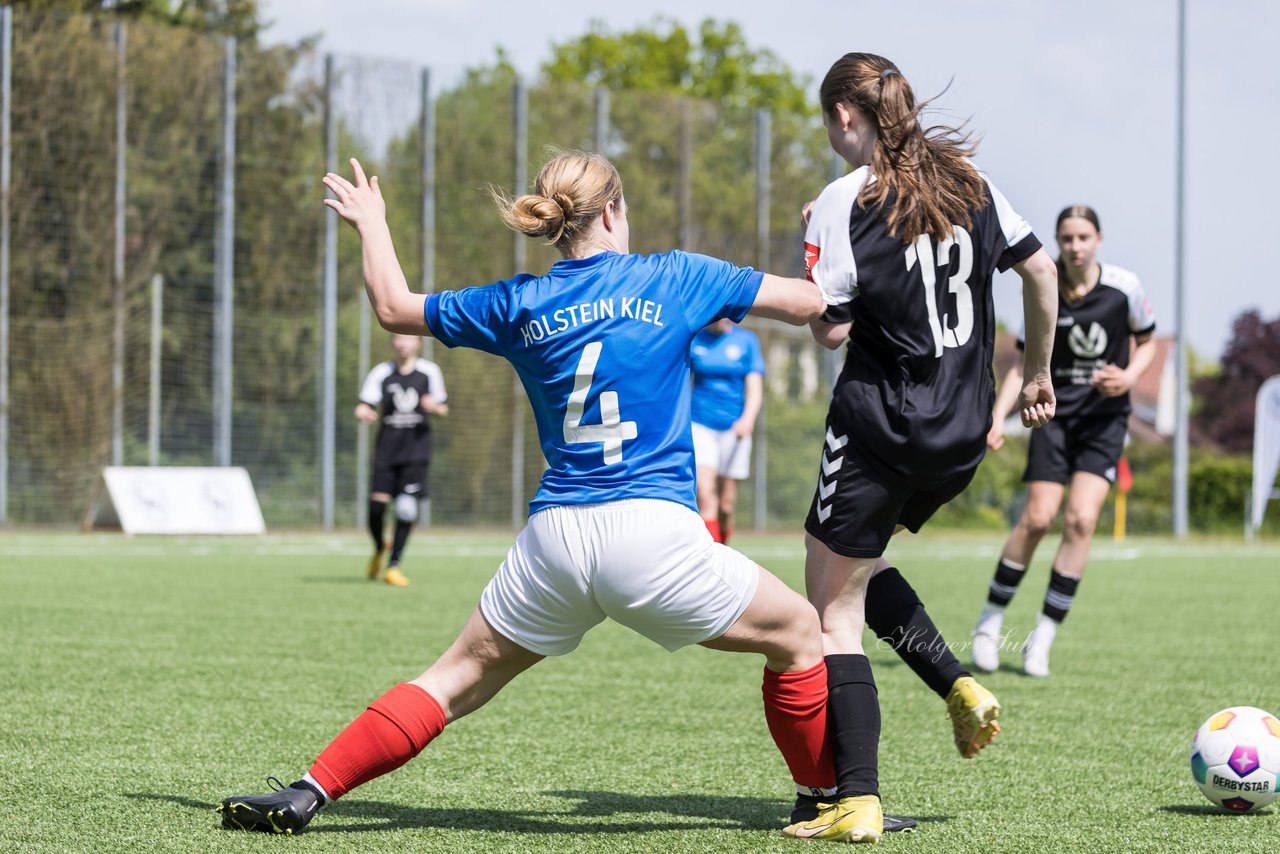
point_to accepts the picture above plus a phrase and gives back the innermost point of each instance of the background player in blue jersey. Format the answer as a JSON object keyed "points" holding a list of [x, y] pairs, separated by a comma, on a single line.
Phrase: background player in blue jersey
{"points": [[728, 389], [1100, 308], [601, 343], [903, 248], [399, 395]]}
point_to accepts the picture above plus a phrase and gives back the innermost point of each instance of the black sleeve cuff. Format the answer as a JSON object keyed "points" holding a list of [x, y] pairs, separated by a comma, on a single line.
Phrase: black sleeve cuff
{"points": [[842, 313], [1019, 252], [1150, 330]]}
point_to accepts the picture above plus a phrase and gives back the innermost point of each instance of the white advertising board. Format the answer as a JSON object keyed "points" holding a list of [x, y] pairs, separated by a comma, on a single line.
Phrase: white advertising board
{"points": [[175, 500]]}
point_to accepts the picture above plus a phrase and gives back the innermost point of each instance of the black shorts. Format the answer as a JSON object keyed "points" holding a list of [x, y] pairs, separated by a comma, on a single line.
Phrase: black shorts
{"points": [[400, 478], [1059, 449], [858, 503]]}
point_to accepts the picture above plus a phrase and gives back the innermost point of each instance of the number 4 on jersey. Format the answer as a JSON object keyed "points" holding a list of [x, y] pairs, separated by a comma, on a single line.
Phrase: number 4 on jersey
{"points": [[612, 430]]}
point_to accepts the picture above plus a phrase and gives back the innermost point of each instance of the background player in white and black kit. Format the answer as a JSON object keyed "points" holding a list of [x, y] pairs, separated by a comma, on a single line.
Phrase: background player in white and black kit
{"points": [[903, 248], [613, 530], [401, 394], [1101, 308]]}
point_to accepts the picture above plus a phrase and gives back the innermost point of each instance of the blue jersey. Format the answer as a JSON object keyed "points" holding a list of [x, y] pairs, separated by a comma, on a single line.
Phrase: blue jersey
{"points": [[601, 345], [720, 367]]}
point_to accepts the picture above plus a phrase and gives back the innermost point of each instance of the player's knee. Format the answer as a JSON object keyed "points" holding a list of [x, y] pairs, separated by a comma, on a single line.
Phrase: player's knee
{"points": [[1036, 521], [805, 635], [1081, 525], [407, 508]]}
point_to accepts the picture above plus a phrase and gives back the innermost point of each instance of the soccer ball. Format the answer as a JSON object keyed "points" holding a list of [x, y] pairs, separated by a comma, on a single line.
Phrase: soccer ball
{"points": [[1235, 758]]}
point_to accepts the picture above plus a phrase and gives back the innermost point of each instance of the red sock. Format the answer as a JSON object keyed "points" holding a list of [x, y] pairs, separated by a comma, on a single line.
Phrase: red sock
{"points": [[795, 708], [394, 729], [725, 530], [713, 525]]}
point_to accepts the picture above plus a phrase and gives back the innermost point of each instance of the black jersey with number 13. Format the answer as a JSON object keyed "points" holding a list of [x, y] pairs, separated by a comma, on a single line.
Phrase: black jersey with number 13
{"points": [[916, 389]]}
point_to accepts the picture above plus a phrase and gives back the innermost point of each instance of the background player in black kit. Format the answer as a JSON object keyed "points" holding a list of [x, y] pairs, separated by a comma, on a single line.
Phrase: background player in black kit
{"points": [[402, 393], [903, 249], [1100, 308]]}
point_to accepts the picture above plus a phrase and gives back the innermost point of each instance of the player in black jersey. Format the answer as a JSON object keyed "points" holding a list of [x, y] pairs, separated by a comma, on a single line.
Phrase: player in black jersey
{"points": [[401, 393], [1101, 307], [903, 248]]}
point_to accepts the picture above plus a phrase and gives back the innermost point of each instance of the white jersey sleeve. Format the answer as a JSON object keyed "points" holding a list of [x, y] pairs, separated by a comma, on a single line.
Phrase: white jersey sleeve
{"points": [[432, 370], [828, 253], [1014, 226], [371, 391], [1142, 320]]}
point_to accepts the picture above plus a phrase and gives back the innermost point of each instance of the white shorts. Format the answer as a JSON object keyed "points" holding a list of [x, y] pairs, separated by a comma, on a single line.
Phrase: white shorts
{"points": [[723, 451], [648, 564]]}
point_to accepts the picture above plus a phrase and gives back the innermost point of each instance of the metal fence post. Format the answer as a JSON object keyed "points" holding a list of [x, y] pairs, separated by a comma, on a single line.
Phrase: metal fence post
{"points": [[329, 312], [764, 149], [153, 396], [117, 265], [6, 149], [685, 194], [427, 144], [224, 264], [600, 129], [520, 178]]}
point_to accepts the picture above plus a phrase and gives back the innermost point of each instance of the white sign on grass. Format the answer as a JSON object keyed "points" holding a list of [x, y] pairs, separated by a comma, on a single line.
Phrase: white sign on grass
{"points": [[175, 500]]}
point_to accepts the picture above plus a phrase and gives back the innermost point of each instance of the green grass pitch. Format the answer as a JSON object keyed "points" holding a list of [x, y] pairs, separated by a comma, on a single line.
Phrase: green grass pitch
{"points": [[143, 679]]}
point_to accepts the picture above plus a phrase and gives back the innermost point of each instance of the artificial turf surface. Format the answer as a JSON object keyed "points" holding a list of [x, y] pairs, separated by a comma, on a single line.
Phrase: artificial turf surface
{"points": [[144, 679]]}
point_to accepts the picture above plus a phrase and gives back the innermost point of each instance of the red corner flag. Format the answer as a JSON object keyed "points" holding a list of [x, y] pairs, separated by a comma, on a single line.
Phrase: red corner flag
{"points": [[1124, 477]]}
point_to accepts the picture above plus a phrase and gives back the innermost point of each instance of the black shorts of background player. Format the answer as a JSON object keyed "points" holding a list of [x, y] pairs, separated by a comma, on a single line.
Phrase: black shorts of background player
{"points": [[1101, 307], [400, 394], [904, 248]]}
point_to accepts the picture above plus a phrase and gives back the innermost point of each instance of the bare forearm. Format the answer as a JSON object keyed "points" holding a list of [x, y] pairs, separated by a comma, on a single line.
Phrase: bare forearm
{"points": [[1143, 356], [829, 335], [397, 309], [1040, 311]]}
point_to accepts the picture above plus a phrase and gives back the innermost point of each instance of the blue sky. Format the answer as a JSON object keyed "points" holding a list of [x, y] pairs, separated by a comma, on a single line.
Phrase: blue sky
{"points": [[1075, 103]]}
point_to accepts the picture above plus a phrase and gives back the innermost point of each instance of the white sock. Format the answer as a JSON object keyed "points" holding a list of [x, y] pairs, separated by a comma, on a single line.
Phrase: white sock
{"points": [[991, 621], [311, 781], [1046, 629]]}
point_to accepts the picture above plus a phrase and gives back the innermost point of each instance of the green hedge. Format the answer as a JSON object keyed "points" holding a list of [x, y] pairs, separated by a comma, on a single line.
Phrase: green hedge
{"points": [[1217, 484]]}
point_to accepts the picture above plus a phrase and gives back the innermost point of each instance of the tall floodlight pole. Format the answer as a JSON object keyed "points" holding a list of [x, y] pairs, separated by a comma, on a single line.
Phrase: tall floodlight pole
{"points": [[1181, 402]]}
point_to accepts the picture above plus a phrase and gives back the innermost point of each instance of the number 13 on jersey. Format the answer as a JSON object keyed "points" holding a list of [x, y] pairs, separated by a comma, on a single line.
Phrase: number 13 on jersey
{"points": [[922, 252], [612, 430]]}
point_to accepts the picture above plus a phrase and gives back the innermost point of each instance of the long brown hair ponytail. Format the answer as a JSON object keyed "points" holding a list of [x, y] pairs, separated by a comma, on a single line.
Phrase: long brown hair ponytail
{"points": [[924, 171]]}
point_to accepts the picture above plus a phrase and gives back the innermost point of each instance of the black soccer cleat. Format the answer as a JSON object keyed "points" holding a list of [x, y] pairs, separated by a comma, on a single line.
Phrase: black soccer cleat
{"points": [[286, 810], [806, 809]]}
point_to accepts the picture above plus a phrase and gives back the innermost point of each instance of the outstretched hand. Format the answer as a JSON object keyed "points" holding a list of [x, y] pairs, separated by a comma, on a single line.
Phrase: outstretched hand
{"points": [[1037, 403], [359, 204]]}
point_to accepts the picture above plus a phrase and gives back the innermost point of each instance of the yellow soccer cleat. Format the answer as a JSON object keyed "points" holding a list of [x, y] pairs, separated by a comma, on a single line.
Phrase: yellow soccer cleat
{"points": [[375, 562], [396, 578], [973, 710], [857, 819]]}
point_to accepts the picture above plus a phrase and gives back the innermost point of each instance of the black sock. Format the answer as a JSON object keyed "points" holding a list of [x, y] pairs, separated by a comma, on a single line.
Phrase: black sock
{"points": [[1059, 596], [853, 720], [1005, 582], [397, 544], [896, 615], [377, 510]]}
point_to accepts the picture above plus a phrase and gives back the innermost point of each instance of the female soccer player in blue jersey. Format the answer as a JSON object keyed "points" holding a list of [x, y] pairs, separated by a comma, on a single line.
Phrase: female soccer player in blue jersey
{"points": [[903, 248], [1101, 308], [601, 344], [728, 389]]}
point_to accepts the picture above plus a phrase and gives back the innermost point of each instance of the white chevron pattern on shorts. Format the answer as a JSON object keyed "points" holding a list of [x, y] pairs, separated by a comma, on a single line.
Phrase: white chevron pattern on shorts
{"points": [[827, 488]]}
